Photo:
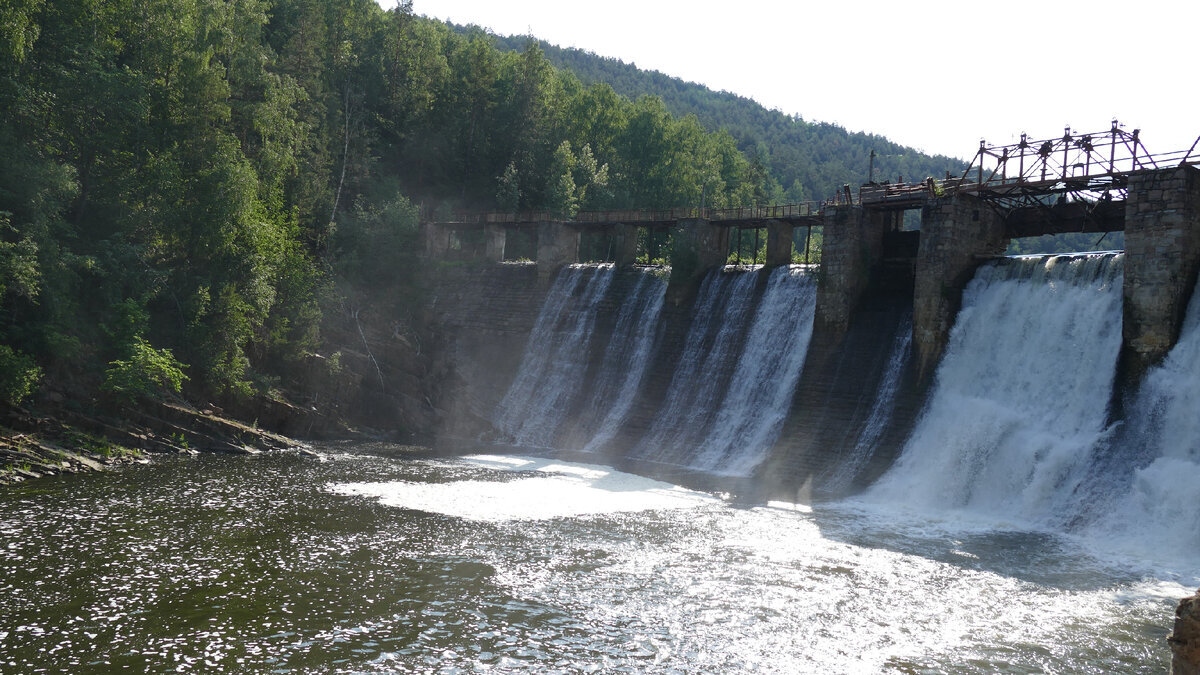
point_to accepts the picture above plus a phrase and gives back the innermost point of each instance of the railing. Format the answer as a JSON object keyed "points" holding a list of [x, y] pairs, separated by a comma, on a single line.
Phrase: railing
{"points": [[651, 216], [884, 193]]}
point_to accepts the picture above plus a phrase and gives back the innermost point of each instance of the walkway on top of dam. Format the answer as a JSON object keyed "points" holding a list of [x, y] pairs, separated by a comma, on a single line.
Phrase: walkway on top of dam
{"points": [[1072, 183]]}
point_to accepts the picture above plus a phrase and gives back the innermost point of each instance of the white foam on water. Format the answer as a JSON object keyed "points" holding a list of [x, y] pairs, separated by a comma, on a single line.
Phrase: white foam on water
{"points": [[553, 489]]}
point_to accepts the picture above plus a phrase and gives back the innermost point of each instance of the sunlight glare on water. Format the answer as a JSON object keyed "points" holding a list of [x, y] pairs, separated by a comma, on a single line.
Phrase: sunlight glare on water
{"points": [[382, 563]]}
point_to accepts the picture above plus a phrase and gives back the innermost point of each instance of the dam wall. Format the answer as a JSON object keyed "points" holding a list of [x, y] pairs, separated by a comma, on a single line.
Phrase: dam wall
{"points": [[652, 363], [480, 318]]}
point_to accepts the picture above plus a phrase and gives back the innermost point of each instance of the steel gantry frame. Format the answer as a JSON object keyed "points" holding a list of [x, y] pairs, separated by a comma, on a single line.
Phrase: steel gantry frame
{"points": [[1087, 167]]}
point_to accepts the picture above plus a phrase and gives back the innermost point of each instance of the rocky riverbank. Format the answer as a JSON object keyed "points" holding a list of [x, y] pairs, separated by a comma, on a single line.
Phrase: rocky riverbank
{"points": [[41, 443]]}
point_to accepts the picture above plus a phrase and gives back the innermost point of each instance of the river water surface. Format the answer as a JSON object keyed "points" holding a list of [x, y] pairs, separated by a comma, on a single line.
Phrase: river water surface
{"points": [[370, 559]]}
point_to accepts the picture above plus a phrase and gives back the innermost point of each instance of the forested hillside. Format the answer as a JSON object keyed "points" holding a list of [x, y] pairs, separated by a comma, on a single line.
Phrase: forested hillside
{"points": [[189, 189], [806, 160]]}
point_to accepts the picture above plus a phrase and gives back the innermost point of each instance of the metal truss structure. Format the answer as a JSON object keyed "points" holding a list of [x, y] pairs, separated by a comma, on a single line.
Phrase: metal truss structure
{"points": [[1077, 167]]}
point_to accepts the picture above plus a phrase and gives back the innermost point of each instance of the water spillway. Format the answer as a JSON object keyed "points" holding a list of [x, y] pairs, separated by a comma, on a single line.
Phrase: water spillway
{"points": [[624, 363], [871, 437], [759, 395], [721, 312], [1017, 426], [553, 369], [738, 370], [1021, 398], [1143, 492], [729, 387], [576, 383]]}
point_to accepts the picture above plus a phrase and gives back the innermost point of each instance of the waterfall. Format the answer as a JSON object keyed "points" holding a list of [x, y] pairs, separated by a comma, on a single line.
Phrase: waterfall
{"points": [[1021, 396], [722, 306], [730, 391], [760, 394], [625, 360], [554, 366], [881, 411], [1151, 476]]}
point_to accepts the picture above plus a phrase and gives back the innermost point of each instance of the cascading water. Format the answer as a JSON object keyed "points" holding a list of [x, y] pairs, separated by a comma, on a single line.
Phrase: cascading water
{"points": [[722, 307], [752, 412], [554, 368], [1021, 396], [1154, 463], [881, 412], [625, 360]]}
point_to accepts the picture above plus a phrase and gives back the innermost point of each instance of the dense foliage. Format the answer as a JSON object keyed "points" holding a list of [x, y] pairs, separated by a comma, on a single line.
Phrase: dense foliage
{"points": [[187, 186], [800, 160]]}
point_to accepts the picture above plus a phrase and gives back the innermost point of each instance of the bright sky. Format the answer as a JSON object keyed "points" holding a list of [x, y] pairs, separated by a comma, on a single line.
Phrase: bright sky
{"points": [[937, 76]]}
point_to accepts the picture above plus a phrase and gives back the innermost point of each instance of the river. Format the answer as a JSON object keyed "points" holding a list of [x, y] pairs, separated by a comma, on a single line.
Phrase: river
{"points": [[373, 558]]}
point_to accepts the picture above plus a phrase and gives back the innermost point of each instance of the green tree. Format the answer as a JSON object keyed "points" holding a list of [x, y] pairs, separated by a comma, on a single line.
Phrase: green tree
{"points": [[508, 192], [561, 197]]}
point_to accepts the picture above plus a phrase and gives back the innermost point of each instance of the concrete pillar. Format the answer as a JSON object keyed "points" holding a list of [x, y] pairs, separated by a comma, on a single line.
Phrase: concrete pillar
{"points": [[696, 247], [624, 239], [851, 250], [1162, 257], [558, 245], [955, 233], [437, 241], [494, 248], [779, 243]]}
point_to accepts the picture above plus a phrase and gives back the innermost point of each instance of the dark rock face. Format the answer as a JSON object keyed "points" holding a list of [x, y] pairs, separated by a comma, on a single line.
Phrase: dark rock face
{"points": [[1185, 639]]}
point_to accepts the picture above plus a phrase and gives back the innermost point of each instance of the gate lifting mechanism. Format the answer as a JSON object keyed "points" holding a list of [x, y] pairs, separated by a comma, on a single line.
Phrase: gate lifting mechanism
{"points": [[1091, 167]]}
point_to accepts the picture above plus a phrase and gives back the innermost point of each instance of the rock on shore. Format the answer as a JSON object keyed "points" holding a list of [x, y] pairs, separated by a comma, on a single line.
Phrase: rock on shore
{"points": [[1185, 639]]}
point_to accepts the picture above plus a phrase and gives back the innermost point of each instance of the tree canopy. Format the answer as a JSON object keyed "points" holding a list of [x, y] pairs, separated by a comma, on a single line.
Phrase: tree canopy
{"points": [[199, 179]]}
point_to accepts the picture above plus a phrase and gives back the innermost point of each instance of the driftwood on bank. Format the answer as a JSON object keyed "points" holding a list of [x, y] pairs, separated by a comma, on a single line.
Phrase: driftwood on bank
{"points": [[57, 441]]}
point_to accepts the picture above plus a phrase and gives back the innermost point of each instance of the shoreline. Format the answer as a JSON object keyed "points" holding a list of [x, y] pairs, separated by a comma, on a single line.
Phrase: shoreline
{"points": [[36, 444]]}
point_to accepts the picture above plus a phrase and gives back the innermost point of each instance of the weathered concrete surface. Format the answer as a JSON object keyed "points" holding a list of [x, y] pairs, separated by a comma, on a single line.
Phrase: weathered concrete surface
{"points": [[850, 255], [479, 320], [558, 245], [437, 241], [1162, 257], [697, 246], [1185, 638], [779, 243], [624, 238], [833, 402], [956, 232], [494, 248]]}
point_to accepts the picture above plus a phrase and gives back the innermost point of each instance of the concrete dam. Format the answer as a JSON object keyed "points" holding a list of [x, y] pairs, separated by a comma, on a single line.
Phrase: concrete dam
{"points": [[919, 365]]}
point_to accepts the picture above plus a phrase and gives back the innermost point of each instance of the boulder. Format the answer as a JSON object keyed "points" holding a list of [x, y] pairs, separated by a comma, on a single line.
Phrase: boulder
{"points": [[1185, 639]]}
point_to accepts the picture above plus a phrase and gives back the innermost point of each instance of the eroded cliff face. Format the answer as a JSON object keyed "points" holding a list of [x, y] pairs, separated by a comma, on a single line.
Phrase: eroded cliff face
{"points": [[1185, 638]]}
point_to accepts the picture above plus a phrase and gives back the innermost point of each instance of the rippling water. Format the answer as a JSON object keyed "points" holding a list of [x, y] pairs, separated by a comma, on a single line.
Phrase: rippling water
{"points": [[369, 560]]}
